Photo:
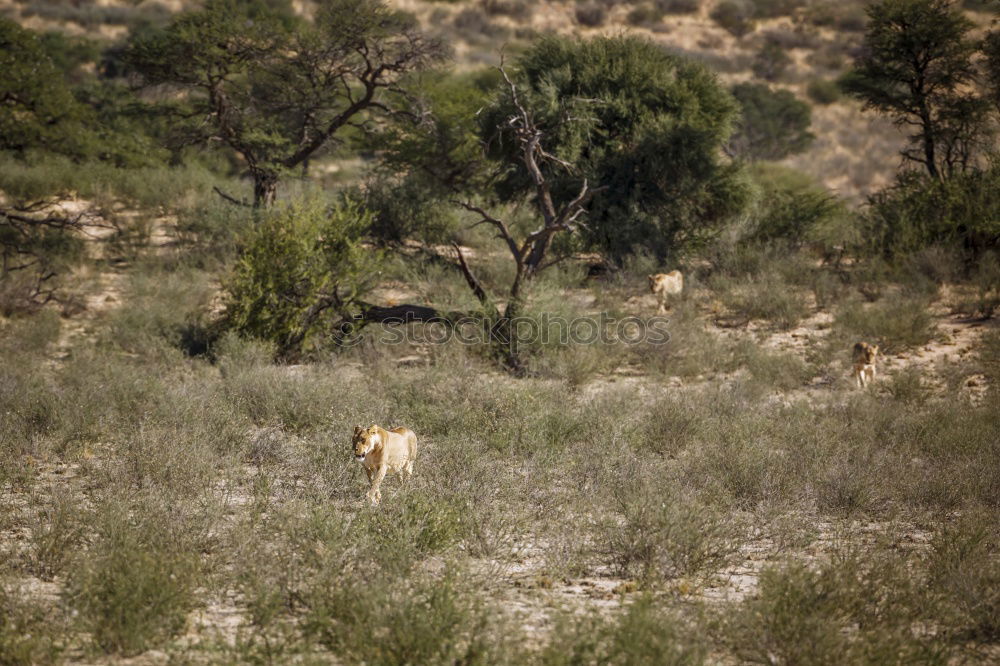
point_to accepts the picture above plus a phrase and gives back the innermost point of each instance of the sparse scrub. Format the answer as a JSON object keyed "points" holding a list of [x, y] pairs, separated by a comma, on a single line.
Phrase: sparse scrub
{"points": [[909, 385], [771, 61], [136, 584], [895, 323], [657, 535], [57, 532], [29, 634], [766, 297], [380, 621], [591, 14], [964, 566], [678, 6], [844, 16], [645, 633], [824, 91], [784, 372], [803, 614], [516, 9], [476, 21], [735, 16], [645, 14], [164, 312]]}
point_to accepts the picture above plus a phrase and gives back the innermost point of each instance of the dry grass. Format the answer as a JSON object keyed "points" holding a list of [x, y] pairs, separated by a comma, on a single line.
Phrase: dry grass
{"points": [[225, 479]]}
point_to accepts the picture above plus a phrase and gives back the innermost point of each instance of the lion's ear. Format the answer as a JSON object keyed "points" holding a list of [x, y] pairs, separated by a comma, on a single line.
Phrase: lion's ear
{"points": [[357, 429]]}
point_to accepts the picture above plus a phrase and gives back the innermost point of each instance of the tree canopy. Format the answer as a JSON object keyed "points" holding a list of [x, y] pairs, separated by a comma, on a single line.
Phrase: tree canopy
{"points": [[917, 68], [277, 91], [37, 108], [644, 125]]}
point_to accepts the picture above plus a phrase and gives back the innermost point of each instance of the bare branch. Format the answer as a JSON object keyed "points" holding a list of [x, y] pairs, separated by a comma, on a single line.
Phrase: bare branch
{"points": [[503, 231], [231, 199], [474, 284]]}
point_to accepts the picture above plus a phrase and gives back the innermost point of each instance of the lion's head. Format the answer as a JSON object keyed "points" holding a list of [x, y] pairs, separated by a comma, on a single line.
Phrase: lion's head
{"points": [[364, 440]]}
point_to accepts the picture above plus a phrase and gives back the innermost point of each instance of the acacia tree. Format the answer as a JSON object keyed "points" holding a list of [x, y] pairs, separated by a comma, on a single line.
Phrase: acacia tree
{"points": [[610, 142], [277, 91], [916, 67], [773, 125], [37, 108]]}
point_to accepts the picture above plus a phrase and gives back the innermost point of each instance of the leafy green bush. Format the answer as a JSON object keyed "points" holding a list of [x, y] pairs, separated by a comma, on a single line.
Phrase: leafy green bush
{"points": [[405, 208], [301, 274], [653, 143], [40, 111], [986, 280], [791, 207], [960, 212]]}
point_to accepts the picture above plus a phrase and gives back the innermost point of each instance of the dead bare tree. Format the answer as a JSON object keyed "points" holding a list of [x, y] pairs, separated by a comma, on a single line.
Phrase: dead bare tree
{"points": [[530, 253], [35, 240]]}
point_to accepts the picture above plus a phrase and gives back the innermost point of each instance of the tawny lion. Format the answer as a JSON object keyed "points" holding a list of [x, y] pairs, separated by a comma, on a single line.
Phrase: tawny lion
{"points": [[665, 284], [864, 363], [380, 450]]}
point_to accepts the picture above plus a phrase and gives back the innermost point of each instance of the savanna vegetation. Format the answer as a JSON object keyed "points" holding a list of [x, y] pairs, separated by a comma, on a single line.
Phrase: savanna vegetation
{"points": [[231, 231]]}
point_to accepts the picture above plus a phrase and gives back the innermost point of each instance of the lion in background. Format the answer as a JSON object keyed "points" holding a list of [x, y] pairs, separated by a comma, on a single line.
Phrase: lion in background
{"points": [[663, 285], [864, 356], [380, 451]]}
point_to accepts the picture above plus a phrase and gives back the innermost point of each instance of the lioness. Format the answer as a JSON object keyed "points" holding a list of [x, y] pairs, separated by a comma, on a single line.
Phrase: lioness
{"points": [[864, 363], [665, 284], [380, 450]]}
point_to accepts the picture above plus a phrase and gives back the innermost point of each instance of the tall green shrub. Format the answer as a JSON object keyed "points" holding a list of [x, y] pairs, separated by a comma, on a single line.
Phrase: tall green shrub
{"points": [[301, 274]]}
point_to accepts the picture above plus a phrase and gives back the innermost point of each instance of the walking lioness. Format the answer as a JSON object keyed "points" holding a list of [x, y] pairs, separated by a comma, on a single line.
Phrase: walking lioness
{"points": [[665, 284], [864, 363], [380, 450]]}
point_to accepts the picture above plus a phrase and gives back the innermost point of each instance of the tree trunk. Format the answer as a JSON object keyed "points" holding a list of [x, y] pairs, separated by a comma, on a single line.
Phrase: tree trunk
{"points": [[929, 136], [265, 186], [505, 342]]}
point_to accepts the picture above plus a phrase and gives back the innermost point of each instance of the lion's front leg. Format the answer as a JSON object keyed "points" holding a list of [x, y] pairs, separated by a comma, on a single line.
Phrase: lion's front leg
{"points": [[375, 493]]}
